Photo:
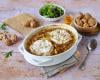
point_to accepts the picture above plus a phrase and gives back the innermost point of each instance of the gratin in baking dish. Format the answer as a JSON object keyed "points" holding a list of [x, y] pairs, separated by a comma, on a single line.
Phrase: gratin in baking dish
{"points": [[55, 59]]}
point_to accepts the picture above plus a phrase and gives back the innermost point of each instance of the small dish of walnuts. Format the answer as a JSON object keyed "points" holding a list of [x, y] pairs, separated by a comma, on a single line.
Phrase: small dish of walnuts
{"points": [[85, 23]]}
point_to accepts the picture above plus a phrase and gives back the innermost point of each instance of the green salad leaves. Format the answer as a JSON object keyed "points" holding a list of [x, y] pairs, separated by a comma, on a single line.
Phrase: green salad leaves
{"points": [[51, 11]]}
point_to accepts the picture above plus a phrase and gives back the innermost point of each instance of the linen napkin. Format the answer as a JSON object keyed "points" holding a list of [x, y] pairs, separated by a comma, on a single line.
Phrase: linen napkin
{"points": [[17, 23], [50, 71]]}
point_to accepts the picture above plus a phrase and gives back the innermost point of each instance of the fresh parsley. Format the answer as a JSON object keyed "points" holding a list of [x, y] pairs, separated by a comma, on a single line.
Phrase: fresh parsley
{"points": [[51, 11], [8, 54], [3, 26]]}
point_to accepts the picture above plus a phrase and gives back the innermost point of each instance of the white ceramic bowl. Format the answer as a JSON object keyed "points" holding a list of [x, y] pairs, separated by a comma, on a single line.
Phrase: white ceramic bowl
{"points": [[50, 60], [53, 19]]}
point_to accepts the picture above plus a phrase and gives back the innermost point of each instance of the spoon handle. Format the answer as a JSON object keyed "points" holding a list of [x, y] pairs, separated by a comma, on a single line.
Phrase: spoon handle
{"points": [[82, 65]]}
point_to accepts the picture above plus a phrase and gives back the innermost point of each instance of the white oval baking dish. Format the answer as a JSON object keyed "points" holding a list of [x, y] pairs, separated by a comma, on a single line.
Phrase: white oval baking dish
{"points": [[50, 60]]}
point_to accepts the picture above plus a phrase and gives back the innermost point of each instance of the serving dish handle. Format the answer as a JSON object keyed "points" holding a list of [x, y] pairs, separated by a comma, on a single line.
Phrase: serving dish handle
{"points": [[46, 60], [79, 38], [20, 48]]}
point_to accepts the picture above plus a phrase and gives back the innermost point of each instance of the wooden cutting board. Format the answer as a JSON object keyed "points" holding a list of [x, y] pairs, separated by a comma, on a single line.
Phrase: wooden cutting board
{"points": [[17, 23]]}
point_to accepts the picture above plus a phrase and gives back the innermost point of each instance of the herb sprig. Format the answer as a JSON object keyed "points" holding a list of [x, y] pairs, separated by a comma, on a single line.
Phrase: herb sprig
{"points": [[8, 54], [3, 26]]}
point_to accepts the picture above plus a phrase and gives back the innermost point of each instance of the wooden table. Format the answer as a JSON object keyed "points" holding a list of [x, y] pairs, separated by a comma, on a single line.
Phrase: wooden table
{"points": [[16, 68]]}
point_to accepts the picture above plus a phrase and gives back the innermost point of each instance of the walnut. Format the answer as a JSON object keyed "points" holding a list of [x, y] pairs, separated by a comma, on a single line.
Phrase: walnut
{"points": [[85, 25], [14, 38], [91, 22], [80, 23], [79, 19], [9, 39], [87, 16], [8, 42], [84, 20], [1, 36], [27, 24], [33, 23], [81, 15]]}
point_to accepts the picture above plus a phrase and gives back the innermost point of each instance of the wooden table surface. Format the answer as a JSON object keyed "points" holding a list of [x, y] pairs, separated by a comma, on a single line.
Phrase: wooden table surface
{"points": [[16, 68]]}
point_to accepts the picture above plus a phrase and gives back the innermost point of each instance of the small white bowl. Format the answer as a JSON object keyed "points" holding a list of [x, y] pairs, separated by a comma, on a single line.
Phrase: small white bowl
{"points": [[53, 19]]}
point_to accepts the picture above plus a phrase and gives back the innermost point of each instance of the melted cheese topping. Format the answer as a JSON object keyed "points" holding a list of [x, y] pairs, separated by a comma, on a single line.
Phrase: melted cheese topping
{"points": [[41, 47], [60, 36]]}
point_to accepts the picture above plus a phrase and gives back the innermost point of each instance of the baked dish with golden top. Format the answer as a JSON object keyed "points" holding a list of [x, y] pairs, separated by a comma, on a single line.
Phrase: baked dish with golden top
{"points": [[48, 42]]}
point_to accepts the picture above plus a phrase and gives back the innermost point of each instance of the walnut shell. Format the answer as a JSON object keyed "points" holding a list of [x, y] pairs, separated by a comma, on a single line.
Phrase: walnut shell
{"points": [[33, 23], [86, 25], [27, 24], [8, 42], [80, 23], [14, 38], [1, 36], [87, 16], [91, 22], [81, 15], [84, 20]]}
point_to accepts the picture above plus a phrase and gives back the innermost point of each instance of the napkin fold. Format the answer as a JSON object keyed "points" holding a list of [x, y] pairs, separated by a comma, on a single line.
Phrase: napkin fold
{"points": [[50, 71], [18, 23]]}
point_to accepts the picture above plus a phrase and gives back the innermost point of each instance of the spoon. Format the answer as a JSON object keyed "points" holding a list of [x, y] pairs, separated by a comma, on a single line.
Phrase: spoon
{"points": [[90, 47]]}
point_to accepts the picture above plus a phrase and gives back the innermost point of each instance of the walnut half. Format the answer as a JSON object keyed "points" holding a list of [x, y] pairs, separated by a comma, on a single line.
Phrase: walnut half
{"points": [[8, 39], [32, 23]]}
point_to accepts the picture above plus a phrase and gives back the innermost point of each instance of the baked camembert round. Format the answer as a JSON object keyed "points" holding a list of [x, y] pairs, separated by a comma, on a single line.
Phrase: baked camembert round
{"points": [[41, 47], [60, 36]]}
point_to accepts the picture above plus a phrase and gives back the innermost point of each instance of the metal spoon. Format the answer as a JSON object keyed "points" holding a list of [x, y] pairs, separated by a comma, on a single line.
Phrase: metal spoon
{"points": [[90, 47]]}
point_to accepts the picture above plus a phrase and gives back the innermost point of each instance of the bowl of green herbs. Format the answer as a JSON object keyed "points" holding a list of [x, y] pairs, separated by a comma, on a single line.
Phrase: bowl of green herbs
{"points": [[51, 12]]}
